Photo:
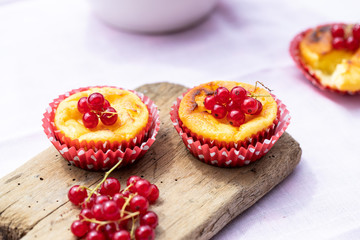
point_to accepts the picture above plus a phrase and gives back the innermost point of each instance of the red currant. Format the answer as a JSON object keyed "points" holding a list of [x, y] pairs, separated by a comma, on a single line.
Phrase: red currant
{"points": [[94, 226], [356, 31], [90, 120], [97, 211], [109, 117], [249, 105], [111, 210], [150, 218], [82, 105], [260, 107], [209, 102], [119, 199], [144, 232], [96, 101], [125, 193], [139, 203], [121, 235], [338, 43], [85, 213], [233, 105], [222, 95], [352, 43], [101, 199], [219, 111], [88, 204], [337, 30], [236, 118], [142, 187], [110, 187], [79, 228], [132, 180], [77, 194], [109, 230], [124, 223], [238, 94], [95, 235], [106, 104], [154, 193]]}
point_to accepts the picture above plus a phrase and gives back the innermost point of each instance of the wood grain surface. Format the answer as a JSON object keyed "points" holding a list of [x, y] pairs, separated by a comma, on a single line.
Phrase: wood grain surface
{"points": [[196, 199]]}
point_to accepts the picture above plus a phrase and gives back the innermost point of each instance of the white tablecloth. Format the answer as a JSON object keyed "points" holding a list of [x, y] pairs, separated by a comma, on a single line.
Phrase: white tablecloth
{"points": [[48, 47]]}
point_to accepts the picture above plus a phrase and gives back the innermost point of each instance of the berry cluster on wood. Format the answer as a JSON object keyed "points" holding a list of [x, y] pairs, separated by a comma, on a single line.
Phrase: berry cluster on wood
{"points": [[94, 107], [109, 213], [232, 104], [340, 41]]}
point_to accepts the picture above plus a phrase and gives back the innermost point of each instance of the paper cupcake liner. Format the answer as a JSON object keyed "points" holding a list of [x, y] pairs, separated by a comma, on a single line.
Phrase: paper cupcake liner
{"points": [[232, 157], [311, 76], [102, 158]]}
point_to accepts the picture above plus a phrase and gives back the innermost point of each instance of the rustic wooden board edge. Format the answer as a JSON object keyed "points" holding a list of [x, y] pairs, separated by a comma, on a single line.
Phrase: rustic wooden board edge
{"points": [[232, 208], [237, 209]]}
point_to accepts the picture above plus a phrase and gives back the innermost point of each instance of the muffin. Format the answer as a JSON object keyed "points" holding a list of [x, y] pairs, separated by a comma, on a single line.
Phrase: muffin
{"points": [[132, 121], [329, 56], [96, 127], [239, 134]]}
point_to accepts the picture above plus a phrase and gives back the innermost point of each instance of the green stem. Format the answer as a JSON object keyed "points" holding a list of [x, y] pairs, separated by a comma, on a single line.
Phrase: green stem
{"points": [[261, 85], [132, 228], [103, 180], [128, 187], [259, 95], [96, 221], [130, 215], [124, 206], [112, 113]]}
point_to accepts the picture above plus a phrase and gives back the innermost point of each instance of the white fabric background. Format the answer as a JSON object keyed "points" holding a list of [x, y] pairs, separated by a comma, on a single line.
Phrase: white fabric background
{"points": [[48, 47]]}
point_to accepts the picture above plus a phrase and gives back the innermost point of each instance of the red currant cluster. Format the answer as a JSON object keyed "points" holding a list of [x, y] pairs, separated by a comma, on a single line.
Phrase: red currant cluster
{"points": [[94, 107], [339, 41], [107, 210], [232, 104]]}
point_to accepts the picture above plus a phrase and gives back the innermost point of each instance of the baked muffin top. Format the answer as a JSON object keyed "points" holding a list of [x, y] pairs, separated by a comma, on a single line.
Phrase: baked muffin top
{"points": [[133, 117], [335, 67], [199, 120]]}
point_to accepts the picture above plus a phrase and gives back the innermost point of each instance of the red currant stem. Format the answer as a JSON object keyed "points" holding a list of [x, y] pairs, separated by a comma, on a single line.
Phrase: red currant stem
{"points": [[125, 205], [127, 188], [83, 187], [117, 227], [112, 113], [103, 180], [96, 221], [94, 111], [261, 85], [259, 95], [130, 215], [133, 227]]}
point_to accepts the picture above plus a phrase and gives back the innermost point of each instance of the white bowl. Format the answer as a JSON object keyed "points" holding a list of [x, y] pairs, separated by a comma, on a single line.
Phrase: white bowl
{"points": [[152, 16]]}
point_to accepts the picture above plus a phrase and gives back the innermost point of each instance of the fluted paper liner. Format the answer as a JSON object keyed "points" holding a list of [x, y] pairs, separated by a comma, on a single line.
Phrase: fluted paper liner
{"points": [[235, 155], [101, 155], [296, 56]]}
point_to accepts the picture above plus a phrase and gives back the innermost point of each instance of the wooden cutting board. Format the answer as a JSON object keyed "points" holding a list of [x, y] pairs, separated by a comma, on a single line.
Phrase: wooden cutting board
{"points": [[196, 199]]}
